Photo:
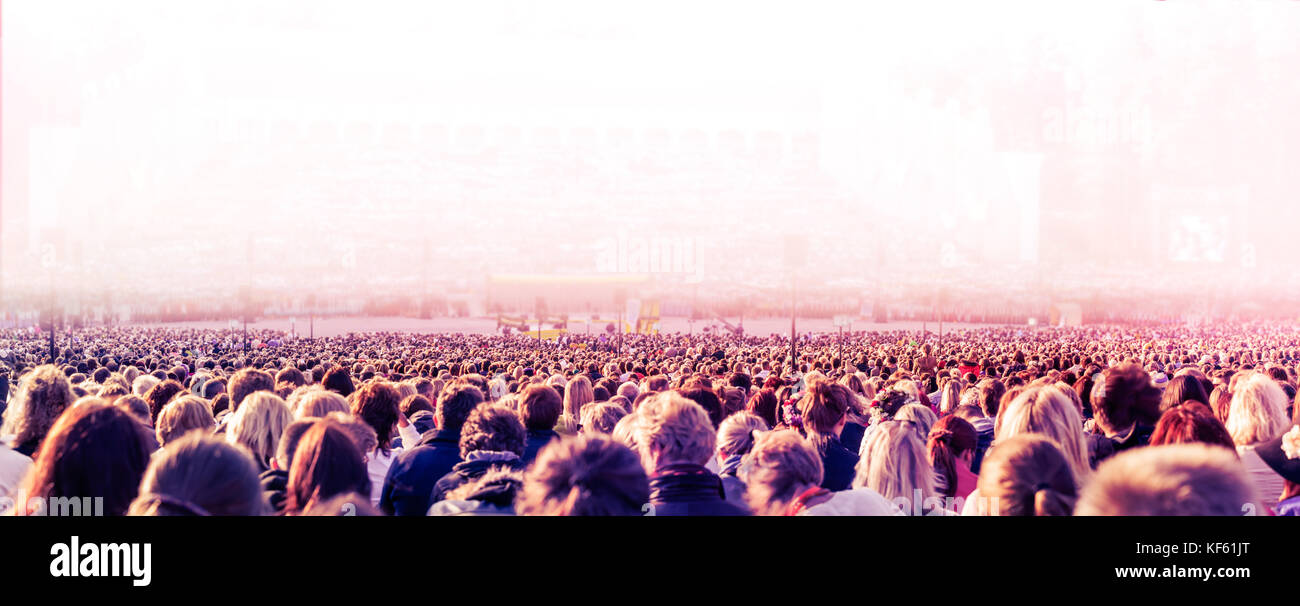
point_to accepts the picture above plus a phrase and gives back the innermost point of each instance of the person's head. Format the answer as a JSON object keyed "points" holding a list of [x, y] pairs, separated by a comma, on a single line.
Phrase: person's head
{"points": [[707, 399], [316, 402], [970, 412], [780, 465], [93, 450], [950, 396], [1188, 423], [377, 403], [292, 376], [737, 433], [824, 407], [951, 442], [455, 403], [894, 463], [247, 382], [338, 380], [492, 428], [415, 403], [183, 415], [1221, 402], [134, 405], [586, 475], [1181, 389], [159, 395], [142, 384], [919, 415], [540, 407], [43, 395], [601, 417], [1124, 396], [577, 393], [327, 463], [1170, 480], [1258, 412], [200, 475], [764, 404], [362, 434], [293, 433], [1048, 411], [673, 430], [258, 424], [628, 390], [1027, 475]]}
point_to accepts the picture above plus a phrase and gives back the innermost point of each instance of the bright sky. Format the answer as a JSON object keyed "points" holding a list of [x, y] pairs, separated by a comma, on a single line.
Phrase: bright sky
{"points": [[160, 127]]}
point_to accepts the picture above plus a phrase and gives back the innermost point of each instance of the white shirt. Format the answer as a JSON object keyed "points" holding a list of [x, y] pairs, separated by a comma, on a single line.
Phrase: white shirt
{"points": [[856, 502], [13, 468]]}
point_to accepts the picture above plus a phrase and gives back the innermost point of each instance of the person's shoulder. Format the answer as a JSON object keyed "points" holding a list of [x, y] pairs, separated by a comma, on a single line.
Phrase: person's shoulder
{"points": [[855, 502]]}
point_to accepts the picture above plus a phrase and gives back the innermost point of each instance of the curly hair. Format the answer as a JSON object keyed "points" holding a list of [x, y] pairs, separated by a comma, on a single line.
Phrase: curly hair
{"points": [[590, 475], [42, 396], [492, 427]]}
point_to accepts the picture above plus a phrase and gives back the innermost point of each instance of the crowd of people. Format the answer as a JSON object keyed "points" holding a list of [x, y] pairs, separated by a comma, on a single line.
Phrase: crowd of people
{"points": [[1091, 420]]}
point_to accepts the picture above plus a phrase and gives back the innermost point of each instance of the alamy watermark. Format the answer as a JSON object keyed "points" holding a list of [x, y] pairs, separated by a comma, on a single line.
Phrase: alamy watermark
{"points": [[68, 507], [648, 255]]}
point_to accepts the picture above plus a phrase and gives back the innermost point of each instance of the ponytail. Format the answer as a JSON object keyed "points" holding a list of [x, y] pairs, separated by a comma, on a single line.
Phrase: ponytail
{"points": [[1049, 502]]}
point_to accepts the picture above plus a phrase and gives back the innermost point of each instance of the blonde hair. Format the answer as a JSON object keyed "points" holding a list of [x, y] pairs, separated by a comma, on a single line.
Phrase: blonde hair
{"points": [[895, 464], [142, 384], [951, 397], [182, 415], [577, 393], [673, 429], [258, 424], [1174, 479], [601, 417], [321, 402], [1046, 410], [738, 432], [780, 464], [1258, 411], [921, 416]]}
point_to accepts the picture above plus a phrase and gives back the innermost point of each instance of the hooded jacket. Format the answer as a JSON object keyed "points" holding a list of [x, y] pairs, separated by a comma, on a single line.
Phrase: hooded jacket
{"points": [[472, 468], [491, 496]]}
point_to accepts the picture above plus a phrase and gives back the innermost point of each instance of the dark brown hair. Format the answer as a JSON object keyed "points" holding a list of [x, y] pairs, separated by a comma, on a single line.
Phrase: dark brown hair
{"points": [[93, 450], [326, 463], [540, 407]]}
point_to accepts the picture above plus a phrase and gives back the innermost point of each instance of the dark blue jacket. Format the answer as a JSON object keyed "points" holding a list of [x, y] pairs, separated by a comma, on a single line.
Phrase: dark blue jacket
{"points": [[851, 436], [689, 490], [275, 485], [411, 477], [838, 465], [473, 468], [536, 441]]}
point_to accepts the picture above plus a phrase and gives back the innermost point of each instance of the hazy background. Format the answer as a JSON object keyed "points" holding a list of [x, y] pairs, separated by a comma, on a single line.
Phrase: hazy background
{"points": [[190, 153]]}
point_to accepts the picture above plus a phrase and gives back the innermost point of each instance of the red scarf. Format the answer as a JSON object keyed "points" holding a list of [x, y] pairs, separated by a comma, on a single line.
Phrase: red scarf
{"points": [[800, 502]]}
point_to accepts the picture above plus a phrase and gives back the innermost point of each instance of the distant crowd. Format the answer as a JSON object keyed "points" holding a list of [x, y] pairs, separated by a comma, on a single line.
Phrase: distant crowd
{"points": [[1092, 420]]}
